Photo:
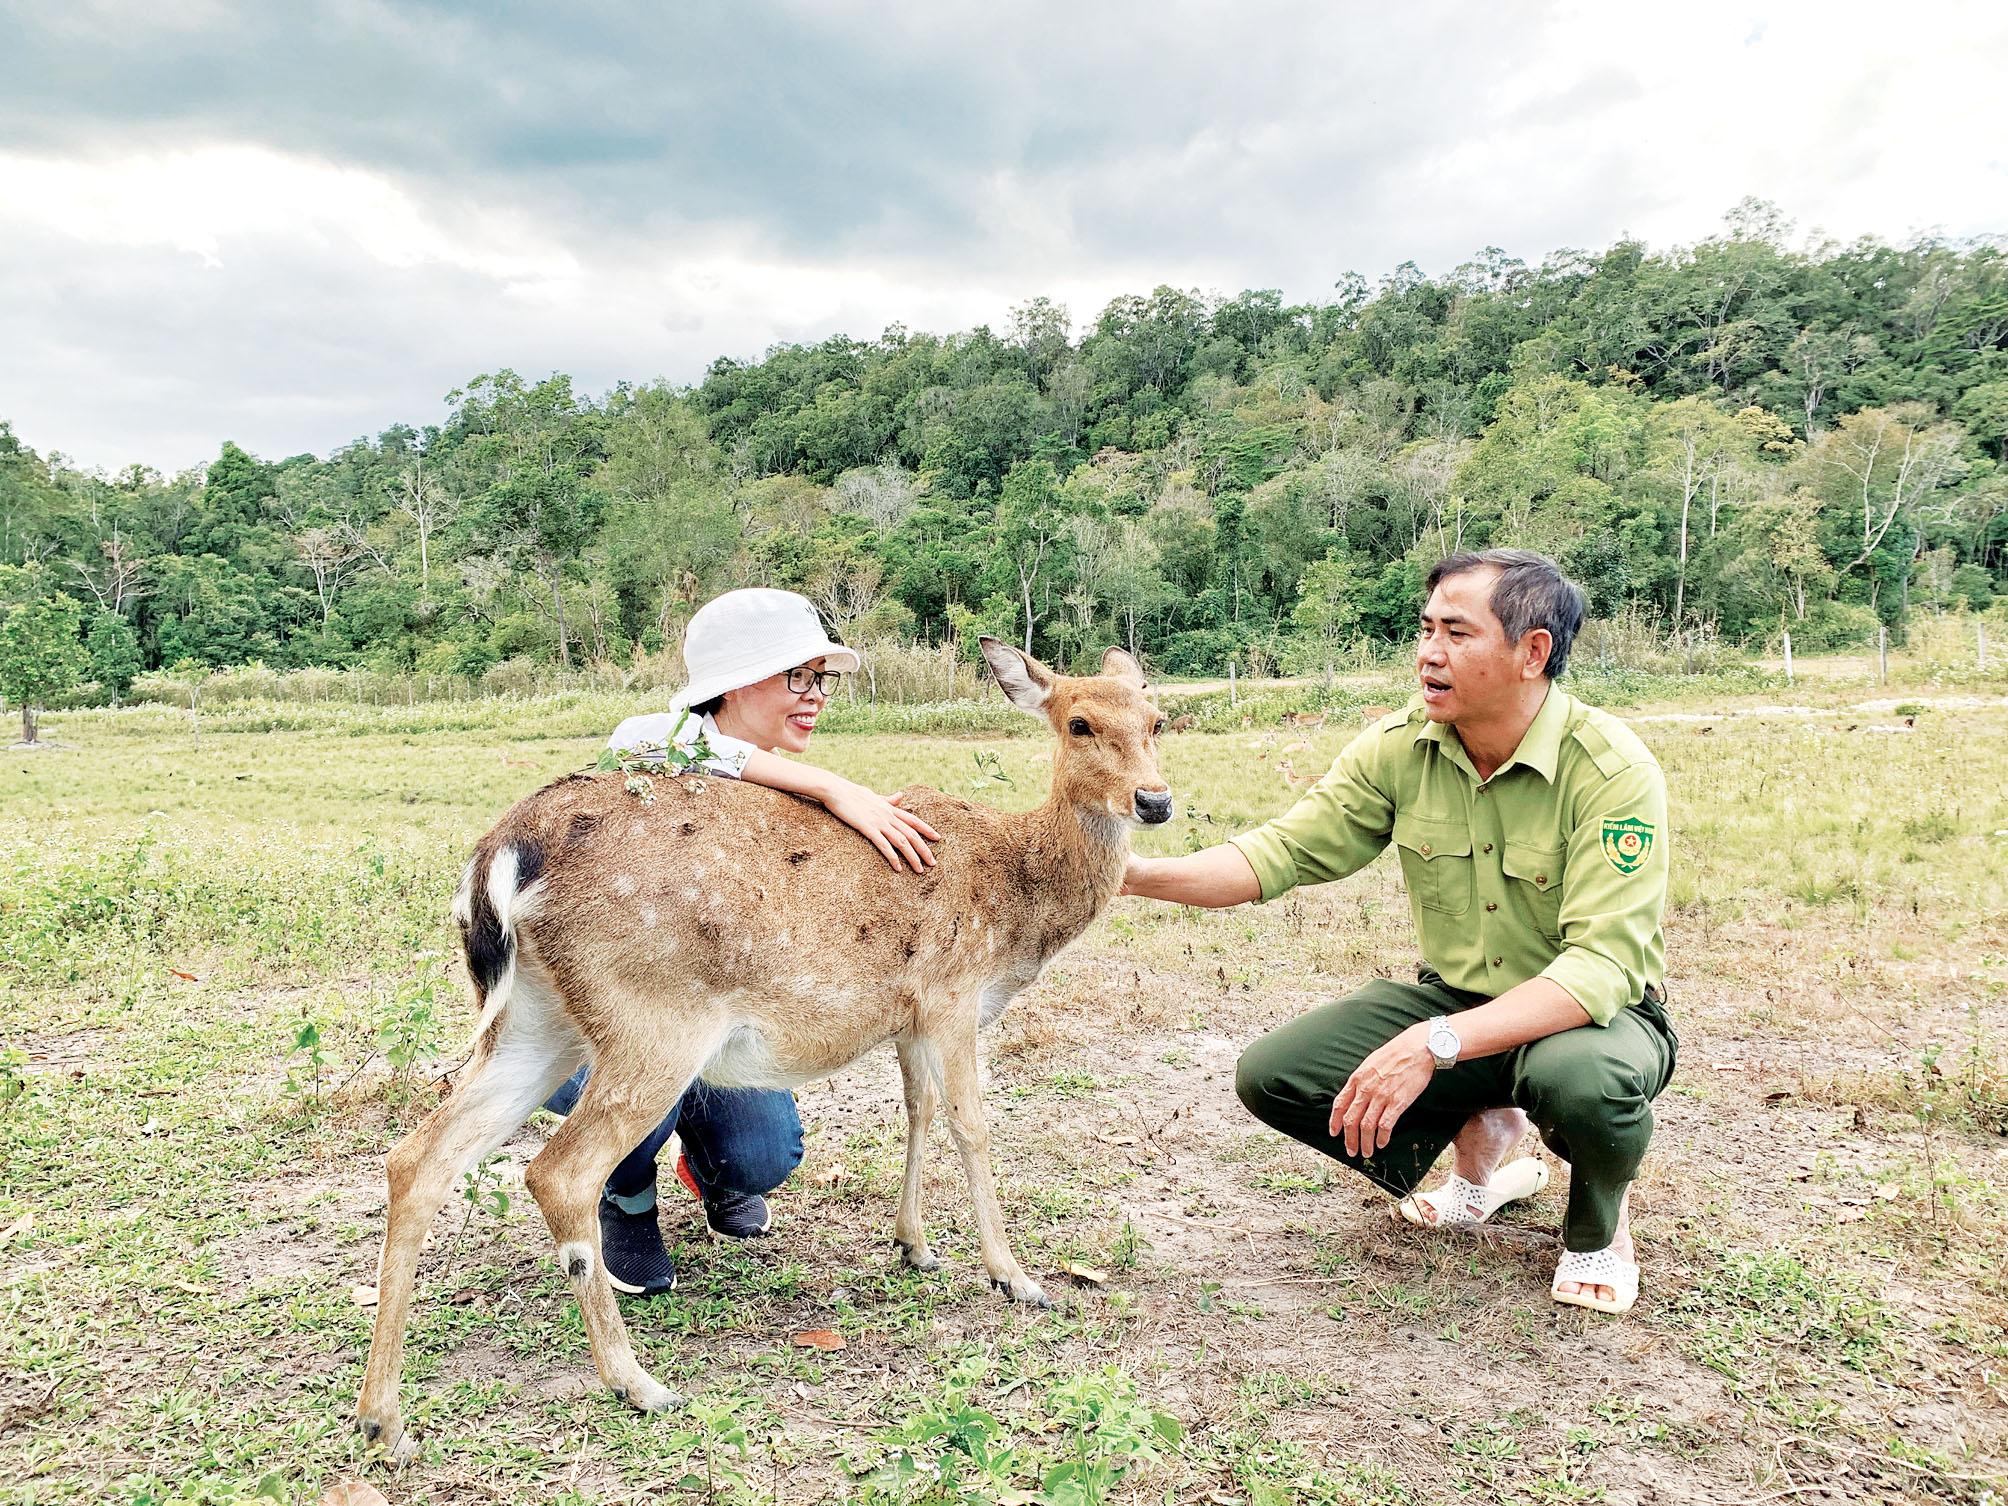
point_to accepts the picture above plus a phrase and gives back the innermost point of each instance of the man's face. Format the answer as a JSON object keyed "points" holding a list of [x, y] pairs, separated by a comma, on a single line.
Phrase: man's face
{"points": [[1467, 669]]}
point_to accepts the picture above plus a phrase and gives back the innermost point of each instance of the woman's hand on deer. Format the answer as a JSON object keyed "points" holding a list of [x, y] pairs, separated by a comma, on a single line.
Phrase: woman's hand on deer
{"points": [[1380, 1091], [900, 836]]}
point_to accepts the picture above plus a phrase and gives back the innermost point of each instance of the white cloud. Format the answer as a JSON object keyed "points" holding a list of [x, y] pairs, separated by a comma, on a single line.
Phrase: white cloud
{"points": [[205, 199]]}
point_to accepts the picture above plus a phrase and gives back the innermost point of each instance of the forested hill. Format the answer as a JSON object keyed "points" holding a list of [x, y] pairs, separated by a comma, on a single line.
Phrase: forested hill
{"points": [[1726, 438]]}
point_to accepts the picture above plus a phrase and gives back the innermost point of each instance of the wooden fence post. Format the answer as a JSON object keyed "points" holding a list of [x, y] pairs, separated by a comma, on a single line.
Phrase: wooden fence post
{"points": [[1233, 694], [1882, 653], [1788, 658]]}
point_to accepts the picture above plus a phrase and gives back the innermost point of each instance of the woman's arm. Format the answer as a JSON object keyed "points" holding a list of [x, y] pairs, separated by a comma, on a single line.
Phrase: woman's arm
{"points": [[900, 836]]}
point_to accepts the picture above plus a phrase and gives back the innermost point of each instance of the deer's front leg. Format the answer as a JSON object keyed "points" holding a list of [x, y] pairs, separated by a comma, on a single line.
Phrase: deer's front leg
{"points": [[919, 1067], [972, 1139]]}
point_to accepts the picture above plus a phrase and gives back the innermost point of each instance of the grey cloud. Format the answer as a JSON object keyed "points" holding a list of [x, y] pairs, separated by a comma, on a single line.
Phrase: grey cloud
{"points": [[970, 154], [817, 125]]}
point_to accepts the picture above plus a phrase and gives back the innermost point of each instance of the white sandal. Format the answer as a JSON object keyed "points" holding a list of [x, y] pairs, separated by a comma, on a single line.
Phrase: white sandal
{"points": [[1590, 1268], [1459, 1204]]}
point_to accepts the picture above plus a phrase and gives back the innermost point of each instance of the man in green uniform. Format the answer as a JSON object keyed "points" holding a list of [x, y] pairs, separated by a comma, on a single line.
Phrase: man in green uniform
{"points": [[1532, 834]]}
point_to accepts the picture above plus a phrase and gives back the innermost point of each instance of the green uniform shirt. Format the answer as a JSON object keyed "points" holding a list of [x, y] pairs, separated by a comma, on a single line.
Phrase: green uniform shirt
{"points": [[1555, 866]]}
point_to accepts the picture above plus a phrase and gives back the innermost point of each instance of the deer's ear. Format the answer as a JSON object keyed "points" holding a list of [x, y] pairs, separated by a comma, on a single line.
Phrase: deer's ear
{"points": [[1025, 680], [1118, 665]]}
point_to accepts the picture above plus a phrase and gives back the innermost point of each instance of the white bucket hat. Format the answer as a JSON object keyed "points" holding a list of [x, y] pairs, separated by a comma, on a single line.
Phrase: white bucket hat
{"points": [[744, 636]]}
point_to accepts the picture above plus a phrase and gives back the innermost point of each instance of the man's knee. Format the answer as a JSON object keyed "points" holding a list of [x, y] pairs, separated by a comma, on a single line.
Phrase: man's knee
{"points": [[1587, 1102], [1258, 1079]]}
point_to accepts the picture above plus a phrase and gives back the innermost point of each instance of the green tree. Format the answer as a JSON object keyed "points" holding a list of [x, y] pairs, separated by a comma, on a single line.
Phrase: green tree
{"points": [[40, 655], [1327, 613], [111, 653]]}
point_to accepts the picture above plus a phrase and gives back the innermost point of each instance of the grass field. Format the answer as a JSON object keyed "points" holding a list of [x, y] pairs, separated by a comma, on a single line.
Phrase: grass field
{"points": [[227, 975]]}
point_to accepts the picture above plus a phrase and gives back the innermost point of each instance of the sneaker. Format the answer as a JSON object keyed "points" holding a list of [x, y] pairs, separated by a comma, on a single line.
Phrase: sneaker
{"points": [[631, 1244], [728, 1215], [737, 1215]]}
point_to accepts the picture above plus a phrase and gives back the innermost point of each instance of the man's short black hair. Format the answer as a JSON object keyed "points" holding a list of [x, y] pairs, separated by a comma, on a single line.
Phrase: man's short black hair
{"points": [[710, 707], [1531, 592]]}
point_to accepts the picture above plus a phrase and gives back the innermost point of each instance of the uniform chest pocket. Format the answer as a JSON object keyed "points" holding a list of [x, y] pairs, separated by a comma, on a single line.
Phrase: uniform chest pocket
{"points": [[1535, 882], [1435, 862]]}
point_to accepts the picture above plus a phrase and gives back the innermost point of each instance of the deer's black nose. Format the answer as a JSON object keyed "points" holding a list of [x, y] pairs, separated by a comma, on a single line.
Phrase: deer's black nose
{"points": [[1153, 807]]}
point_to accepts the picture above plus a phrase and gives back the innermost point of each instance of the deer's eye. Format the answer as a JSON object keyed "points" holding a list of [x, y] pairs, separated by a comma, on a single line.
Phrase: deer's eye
{"points": [[1080, 728], [1157, 730]]}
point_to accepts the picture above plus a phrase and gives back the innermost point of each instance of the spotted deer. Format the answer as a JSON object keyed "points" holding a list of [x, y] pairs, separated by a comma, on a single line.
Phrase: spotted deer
{"points": [[665, 929]]}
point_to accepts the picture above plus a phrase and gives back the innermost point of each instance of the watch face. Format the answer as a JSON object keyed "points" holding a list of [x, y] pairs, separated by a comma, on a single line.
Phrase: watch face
{"points": [[1443, 1043]]}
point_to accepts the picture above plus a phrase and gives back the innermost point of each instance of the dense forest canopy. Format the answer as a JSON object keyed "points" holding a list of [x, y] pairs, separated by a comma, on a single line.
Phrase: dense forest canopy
{"points": [[1727, 438]]}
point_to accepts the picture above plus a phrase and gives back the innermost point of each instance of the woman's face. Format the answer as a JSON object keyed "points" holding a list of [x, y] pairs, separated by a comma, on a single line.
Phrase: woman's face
{"points": [[770, 715]]}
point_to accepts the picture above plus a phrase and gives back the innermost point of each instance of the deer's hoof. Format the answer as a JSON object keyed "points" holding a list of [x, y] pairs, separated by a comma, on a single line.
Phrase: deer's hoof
{"points": [[380, 1429], [647, 1394], [918, 1256], [1022, 1288], [388, 1434]]}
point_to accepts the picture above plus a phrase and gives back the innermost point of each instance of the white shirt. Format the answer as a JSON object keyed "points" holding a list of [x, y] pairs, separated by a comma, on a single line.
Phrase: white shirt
{"points": [[647, 736]]}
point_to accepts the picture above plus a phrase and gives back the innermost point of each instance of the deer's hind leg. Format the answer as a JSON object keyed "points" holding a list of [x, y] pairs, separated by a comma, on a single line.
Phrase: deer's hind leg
{"points": [[920, 1073], [534, 1048], [963, 1095], [636, 1079]]}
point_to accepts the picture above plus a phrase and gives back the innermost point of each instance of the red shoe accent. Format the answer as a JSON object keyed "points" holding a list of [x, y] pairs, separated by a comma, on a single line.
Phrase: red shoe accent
{"points": [[688, 1177]]}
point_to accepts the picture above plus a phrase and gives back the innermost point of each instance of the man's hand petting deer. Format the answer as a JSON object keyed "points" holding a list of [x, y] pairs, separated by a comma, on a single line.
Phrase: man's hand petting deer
{"points": [[653, 953]]}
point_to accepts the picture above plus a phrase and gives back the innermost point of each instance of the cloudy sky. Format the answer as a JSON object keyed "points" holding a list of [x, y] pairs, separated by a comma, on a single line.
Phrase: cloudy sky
{"points": [[293, 225]]}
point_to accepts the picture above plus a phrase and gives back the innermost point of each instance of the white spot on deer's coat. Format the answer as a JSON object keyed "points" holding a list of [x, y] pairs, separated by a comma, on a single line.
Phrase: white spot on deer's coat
{"points": [[648, 917], [696, 873], [690, 892], [636, 829], [624, 885], [718, 853]]}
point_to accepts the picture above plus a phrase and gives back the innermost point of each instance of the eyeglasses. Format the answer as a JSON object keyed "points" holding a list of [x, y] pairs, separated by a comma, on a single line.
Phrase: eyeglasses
{"points": [[825, 680]]}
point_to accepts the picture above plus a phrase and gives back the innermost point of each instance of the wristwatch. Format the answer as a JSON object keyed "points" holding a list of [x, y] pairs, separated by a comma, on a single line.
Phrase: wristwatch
{"points": [[1443, 1043]]}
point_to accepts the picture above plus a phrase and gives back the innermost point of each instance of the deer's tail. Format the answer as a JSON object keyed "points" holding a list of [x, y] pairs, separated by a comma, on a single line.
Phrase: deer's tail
{"points": [[495, 897]]}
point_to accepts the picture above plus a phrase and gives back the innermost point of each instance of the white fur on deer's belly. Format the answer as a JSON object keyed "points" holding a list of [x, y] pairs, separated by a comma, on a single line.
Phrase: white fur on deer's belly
{"points": [[745, 1059], [997, 994]]}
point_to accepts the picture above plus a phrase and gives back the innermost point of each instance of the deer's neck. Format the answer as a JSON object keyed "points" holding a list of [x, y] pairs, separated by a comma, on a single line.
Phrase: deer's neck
{"points": [[1074, 859]]}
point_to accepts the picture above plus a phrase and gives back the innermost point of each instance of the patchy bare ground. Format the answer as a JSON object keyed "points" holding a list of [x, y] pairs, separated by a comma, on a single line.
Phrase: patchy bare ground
{"points": [[1823, 1222]]}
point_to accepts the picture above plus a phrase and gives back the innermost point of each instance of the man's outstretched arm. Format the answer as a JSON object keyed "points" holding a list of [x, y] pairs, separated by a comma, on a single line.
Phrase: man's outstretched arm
{"points": [[1212, 879]]}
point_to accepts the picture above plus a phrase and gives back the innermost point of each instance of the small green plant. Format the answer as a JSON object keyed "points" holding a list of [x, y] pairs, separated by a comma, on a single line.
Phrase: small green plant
{"points": [[722, 1434], [483, 1192], [989, 771], [411, 1029], [1114, 1436], [217, 1492], [950, 1452], [303, 1076], [644, 758]]}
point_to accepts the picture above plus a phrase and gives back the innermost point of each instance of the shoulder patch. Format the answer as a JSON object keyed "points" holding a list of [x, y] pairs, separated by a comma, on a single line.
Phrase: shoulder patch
{"points": [[1627, 842]]}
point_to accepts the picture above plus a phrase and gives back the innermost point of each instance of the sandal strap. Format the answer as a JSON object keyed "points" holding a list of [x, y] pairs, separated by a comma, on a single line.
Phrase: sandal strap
{"points": [[1454, 1202], [1595, 1268]]}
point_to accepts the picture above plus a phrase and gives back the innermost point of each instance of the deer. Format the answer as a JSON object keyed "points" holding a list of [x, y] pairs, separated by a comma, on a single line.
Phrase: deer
{"points": [[668, 928]]}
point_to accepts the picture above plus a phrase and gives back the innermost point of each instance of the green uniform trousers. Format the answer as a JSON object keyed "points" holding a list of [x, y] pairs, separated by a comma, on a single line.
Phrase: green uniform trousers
{"points": [[1589, 1091]]}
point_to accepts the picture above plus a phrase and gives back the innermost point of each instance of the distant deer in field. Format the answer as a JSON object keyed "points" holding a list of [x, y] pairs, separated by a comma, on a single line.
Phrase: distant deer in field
{"points": [[704, 928]]}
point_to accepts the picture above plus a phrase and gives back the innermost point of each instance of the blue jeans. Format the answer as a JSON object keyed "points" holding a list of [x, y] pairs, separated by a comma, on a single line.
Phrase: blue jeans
{"points": [[738, 1140]]}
